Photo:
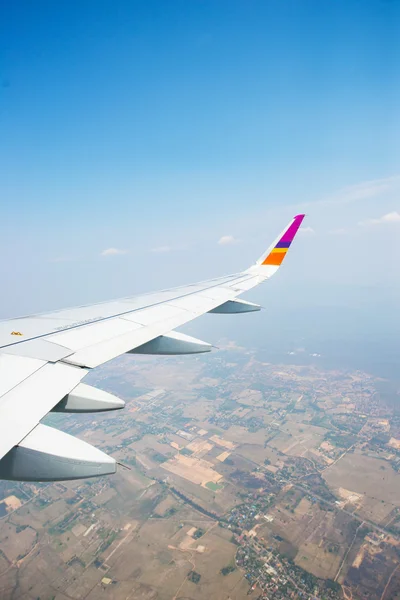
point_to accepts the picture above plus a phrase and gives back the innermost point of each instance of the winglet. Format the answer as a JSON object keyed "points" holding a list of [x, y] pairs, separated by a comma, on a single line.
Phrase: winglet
{"points": [[277, 251]]}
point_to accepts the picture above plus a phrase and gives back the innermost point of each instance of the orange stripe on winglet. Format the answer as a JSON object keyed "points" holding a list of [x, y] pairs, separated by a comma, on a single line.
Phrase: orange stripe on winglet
{"points": [[274, 258]]}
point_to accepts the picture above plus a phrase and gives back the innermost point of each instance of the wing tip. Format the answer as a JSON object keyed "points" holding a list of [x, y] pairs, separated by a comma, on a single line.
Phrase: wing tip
{"points": [[278, 250]]}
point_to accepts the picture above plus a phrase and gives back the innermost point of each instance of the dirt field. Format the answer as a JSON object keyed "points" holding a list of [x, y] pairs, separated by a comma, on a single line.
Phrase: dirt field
{"points": [[240, 435], [318, 560], [151, 442], [195, 470], [199, 410], [303, 508], [295, 439], [223, 456], [178, 440], [251, 398], [221, 442], [219, 502], [12, 502], [16, 545], [258, 453], [165, 505], [200, 447], [105, 496], [394, 443], [372, 478]]}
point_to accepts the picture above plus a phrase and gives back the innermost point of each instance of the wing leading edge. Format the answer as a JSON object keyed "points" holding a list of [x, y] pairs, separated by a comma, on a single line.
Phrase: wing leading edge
{"points": [[43, 359]]}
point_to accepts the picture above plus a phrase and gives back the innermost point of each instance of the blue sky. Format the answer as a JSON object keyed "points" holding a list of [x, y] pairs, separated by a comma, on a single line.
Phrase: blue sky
{"points": [[156, 128]]}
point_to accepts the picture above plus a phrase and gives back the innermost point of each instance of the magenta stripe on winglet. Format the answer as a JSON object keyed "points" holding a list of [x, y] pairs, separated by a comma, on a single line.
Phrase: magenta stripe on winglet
{"points": [[291, 232]]}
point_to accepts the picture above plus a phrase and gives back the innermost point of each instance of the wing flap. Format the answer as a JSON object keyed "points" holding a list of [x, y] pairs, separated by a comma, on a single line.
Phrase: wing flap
{"points": [[154, 314], [24, 404], [14, 369], [39, 348], [96, 333], [96, 355]]}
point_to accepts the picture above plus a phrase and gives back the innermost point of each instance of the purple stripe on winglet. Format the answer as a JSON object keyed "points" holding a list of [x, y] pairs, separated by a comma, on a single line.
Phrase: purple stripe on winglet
{"points": [[291, 232], [282, 244]]}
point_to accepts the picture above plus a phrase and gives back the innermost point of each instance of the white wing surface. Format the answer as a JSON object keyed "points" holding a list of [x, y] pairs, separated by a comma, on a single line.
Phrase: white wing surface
{"points": [[43, 359]]}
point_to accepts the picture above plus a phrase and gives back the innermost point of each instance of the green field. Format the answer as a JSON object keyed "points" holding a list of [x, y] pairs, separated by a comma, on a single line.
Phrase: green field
{"points": [[214, 486]]}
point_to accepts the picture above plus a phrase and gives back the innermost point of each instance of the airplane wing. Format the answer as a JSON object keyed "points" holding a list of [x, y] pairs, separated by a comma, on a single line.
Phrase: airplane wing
{"points": [[43, 359]]}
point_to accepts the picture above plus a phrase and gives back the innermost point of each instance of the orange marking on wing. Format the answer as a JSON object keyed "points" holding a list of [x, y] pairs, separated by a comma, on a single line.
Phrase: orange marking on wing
{"points": [[274, 258]]}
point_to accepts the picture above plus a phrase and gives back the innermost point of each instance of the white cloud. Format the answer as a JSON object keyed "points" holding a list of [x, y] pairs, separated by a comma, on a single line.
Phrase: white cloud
{"points": [[307, 230], [363, 190], [226, 239], [161, 249], [392, 217], [113, 252]]}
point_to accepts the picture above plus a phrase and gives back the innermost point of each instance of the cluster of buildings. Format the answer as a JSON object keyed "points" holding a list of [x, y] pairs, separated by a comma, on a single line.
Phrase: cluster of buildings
{"points": [[276, 576]]}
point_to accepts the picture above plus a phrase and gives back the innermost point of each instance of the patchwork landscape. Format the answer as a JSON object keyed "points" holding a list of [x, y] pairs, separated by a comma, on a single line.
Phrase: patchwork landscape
{"points": [[238, 478]]}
